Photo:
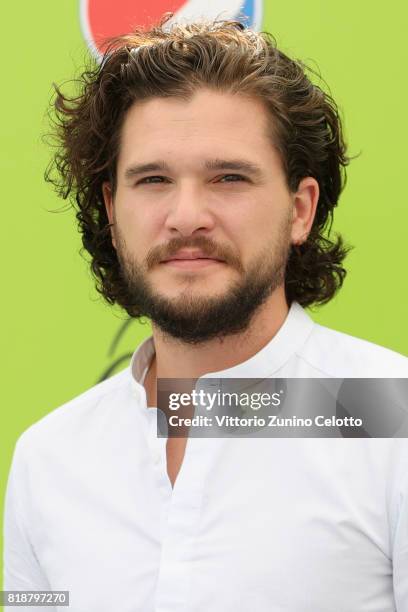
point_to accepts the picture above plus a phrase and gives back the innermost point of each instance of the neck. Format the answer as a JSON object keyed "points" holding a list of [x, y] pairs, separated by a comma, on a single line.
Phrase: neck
{"points": [[176, 359]]}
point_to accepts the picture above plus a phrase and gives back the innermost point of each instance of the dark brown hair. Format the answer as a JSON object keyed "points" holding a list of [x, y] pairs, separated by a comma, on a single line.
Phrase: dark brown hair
{"points": [[223, 55]]}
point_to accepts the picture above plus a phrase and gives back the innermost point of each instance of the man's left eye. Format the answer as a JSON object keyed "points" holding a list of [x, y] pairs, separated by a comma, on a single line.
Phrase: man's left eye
{"points": [[234, 177]]}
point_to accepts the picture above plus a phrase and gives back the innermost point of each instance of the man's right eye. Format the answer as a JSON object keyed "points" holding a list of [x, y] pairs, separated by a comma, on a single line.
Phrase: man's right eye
{"points": [[151, 180]]}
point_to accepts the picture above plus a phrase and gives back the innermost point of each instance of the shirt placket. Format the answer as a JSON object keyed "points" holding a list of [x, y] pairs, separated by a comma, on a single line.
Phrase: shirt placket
{"points": [[181, 517]]}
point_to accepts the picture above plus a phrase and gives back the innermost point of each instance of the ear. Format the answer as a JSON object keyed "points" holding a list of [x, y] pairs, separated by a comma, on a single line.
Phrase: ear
{"points": [[304, 209], [108, 199]]}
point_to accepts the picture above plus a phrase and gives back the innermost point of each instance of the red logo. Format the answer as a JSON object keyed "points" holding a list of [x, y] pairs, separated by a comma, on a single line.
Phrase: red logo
{"points": [[103, 18]]}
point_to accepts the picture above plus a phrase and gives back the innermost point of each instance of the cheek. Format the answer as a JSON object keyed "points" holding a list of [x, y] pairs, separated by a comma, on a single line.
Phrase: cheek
{"points": [[251, 222], [241, 231], [139, 226], [263, 229]]}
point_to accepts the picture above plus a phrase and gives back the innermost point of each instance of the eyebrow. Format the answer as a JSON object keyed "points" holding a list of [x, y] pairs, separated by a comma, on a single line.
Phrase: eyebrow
{"points": [[239, 165]]}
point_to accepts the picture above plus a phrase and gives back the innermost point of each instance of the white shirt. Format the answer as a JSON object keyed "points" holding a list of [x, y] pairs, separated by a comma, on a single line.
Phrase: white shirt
{"points": [[252, 525]]}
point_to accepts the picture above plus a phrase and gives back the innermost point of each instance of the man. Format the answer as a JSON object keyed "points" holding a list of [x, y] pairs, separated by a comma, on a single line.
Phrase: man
{"points": [[206, 166]]}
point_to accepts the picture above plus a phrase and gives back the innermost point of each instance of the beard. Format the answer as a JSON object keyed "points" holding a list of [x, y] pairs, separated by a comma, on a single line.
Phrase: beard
{"points": [[193, 318]]}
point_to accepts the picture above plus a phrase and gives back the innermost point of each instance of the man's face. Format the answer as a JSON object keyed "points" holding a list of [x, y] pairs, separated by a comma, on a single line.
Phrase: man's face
{"points": [[203, 219]]}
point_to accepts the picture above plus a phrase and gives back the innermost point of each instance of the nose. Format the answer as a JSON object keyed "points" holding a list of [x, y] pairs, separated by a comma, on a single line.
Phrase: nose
{"points": [[189, 210]]}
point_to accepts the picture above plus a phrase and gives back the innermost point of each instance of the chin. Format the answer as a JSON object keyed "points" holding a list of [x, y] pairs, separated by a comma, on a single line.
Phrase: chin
{"points": [[205, 285], [182, 294]]}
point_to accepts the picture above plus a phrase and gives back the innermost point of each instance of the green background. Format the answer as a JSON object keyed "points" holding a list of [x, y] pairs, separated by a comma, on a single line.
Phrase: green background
{"points": [[56, 330]]}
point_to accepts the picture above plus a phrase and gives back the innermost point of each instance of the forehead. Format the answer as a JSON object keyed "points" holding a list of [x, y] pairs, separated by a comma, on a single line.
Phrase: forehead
{"points": [[210, 124]]}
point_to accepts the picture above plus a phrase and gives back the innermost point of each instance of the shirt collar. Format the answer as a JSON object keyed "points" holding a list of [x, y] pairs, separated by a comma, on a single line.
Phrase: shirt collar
{"points": [[289, 338]]}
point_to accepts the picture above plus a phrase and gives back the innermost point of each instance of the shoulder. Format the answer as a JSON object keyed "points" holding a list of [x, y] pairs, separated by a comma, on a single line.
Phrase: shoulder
{"points": [[78, 416], [341, 355]]}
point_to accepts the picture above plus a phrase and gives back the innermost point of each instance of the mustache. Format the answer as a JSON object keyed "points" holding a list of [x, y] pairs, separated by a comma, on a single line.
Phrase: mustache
{"points": [[207, 245]]}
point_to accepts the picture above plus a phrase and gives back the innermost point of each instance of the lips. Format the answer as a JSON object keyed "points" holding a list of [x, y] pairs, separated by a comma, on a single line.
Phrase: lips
{"points": [[190, 255]]}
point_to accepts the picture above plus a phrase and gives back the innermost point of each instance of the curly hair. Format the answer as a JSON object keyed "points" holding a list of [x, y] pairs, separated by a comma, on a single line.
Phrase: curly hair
{"points": [[228, 57]]}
